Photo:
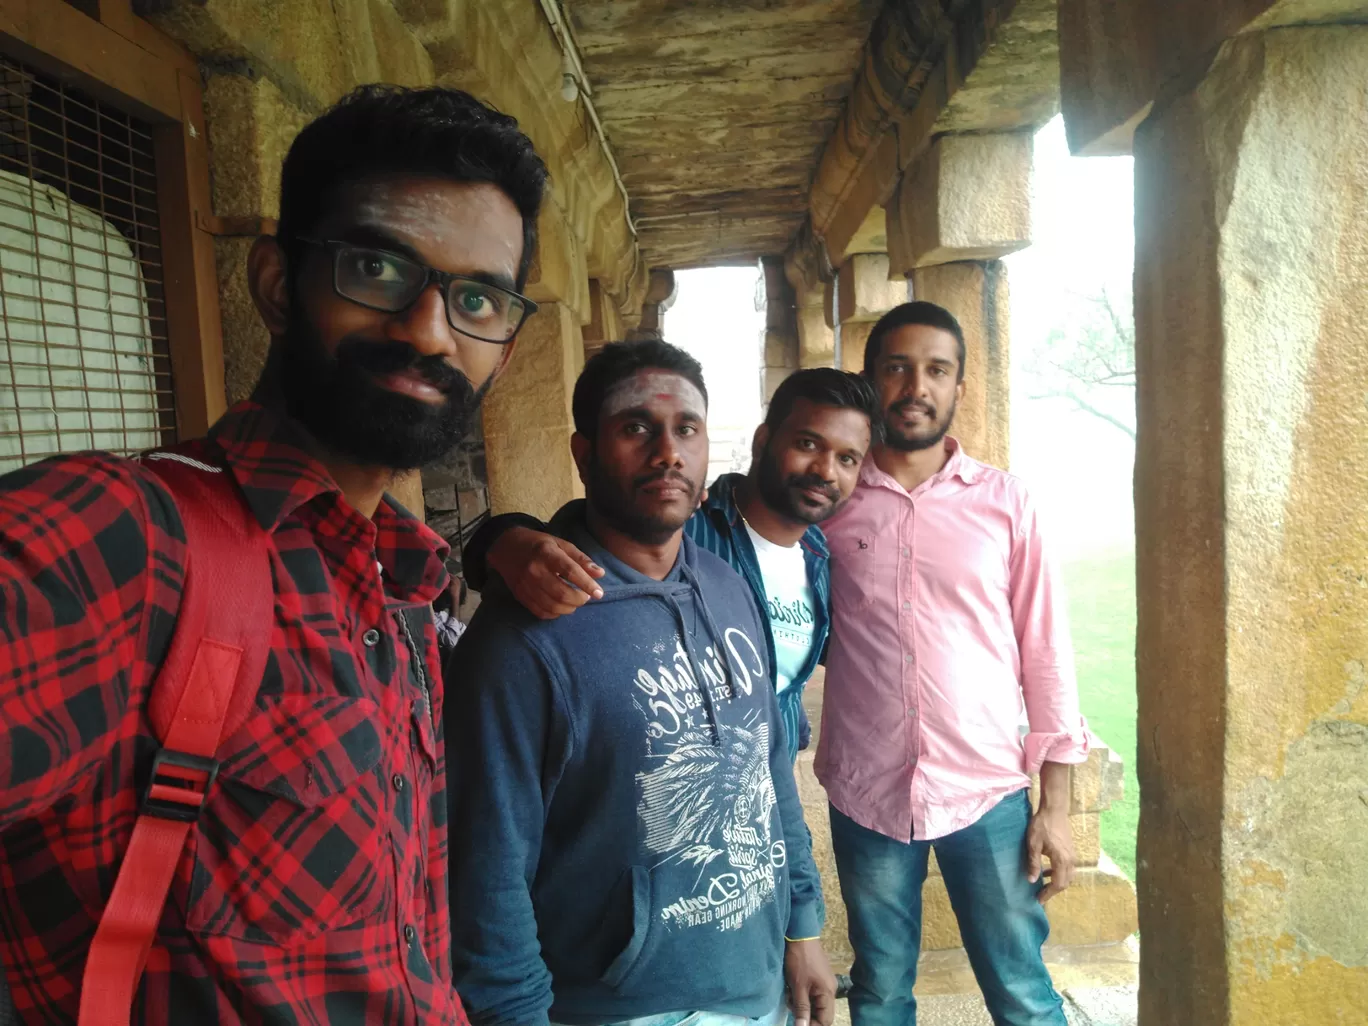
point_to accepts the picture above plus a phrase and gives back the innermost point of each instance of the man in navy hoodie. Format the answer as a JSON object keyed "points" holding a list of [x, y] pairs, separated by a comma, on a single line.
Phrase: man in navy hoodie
{"points": [[627, 840]]}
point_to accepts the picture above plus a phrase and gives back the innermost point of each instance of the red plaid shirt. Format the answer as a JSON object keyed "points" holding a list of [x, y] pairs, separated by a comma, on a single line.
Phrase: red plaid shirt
{"points": [[315, 886]]}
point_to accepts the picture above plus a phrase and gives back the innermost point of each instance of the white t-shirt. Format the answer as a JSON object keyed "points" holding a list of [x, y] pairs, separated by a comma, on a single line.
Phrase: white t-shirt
{"points": [[788, 596]]}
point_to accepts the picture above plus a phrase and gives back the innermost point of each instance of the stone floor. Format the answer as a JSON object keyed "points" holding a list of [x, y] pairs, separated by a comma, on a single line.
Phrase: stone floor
{"points": [[1098, 985]]}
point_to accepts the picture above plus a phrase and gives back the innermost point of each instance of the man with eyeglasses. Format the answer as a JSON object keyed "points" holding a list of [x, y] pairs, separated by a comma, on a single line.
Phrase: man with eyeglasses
{"points": [[314, 885]]}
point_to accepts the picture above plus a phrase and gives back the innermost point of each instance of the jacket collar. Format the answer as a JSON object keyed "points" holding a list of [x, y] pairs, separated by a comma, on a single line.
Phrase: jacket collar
{"points": [[721, 502]]}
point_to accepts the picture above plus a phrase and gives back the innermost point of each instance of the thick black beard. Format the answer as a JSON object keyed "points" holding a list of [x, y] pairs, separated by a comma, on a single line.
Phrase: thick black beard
{"points": [[896, 441], [337, 400], [780, 494], [613, 501]]}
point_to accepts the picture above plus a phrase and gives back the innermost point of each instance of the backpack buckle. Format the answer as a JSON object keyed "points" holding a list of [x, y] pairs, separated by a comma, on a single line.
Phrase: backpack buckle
{"points": [[179, 786]]}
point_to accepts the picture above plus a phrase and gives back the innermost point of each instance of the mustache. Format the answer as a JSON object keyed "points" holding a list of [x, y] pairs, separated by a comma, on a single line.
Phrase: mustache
{"points": [[817, 482], [671, 476], [913, 404], [390, 357]]}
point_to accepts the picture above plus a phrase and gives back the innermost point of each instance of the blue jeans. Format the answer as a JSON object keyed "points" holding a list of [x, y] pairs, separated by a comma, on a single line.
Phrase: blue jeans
{"points": [[1003, 926]]}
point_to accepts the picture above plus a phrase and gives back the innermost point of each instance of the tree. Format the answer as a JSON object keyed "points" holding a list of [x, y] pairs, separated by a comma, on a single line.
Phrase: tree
{"points": [[1089, 360]]}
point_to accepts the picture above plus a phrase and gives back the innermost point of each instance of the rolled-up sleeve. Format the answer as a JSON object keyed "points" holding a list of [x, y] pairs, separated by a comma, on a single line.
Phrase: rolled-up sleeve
{"points": [[1058, 731]]}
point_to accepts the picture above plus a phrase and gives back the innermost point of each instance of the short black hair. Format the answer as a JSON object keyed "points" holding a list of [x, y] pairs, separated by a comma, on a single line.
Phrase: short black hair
{"points": [[825, 386], [378, 130], [901, 316], [618, 361]]}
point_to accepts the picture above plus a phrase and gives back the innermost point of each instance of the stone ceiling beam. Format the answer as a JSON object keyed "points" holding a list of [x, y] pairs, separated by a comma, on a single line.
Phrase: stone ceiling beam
{"points": [[919, 60], [1117, 59]]}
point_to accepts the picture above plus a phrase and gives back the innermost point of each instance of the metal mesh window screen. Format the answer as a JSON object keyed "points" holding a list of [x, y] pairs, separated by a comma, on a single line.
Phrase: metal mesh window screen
{"points": [[84, 357]]}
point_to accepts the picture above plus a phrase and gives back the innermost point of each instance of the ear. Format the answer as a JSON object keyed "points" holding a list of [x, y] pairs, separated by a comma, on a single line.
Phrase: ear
{"points": [[959, 390], [267, 283], [758, 442], [581, 450]]}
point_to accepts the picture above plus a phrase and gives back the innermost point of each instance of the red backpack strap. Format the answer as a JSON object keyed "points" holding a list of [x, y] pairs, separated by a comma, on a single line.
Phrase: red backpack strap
{"points": [[203, 692]]}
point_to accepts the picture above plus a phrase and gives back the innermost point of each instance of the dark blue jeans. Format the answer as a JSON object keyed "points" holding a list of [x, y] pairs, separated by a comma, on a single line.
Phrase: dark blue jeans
{"points": [[1003, 926]]}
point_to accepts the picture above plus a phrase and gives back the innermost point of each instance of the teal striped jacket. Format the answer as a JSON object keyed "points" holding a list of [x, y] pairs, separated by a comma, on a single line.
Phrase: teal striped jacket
{"points": [[719, 528]]}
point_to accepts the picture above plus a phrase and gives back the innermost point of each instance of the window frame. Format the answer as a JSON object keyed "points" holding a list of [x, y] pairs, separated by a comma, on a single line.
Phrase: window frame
{"points": [[126, 62]]}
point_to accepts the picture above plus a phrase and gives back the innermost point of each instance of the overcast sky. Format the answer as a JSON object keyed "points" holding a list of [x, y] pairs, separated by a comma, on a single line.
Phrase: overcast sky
{"points": [[1078, 466]]}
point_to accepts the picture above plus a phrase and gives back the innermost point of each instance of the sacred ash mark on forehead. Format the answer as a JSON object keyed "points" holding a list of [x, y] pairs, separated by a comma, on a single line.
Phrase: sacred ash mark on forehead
{"points": [[640, 389]]}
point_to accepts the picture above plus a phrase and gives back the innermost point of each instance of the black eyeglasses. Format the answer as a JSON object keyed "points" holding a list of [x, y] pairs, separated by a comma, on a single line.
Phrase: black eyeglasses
{"points": [[380, 280]]}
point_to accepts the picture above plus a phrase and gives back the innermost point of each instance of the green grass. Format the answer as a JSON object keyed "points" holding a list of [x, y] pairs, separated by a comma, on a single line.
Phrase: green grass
{"points": [[1102, 613]]}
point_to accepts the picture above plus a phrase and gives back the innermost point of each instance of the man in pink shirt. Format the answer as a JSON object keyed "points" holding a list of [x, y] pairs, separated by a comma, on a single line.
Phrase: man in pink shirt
{"points": [[948, 621]]}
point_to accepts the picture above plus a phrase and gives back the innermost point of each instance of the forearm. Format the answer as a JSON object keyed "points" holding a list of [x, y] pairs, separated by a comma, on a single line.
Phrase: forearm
{"points": [[475, 555], [1054, 787]]}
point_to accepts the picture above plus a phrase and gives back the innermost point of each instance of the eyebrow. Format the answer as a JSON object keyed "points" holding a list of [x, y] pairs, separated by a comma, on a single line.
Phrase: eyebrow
{"points": [[849, 450], [644, 413], [364, 233]]}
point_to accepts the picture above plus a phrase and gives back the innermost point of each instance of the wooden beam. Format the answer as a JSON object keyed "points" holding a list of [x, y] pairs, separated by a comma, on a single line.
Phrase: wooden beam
{"points": [[192, 302], [58, 39]]}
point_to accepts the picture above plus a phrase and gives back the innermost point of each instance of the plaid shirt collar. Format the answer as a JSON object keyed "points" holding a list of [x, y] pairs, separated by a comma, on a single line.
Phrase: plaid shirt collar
{"points": [[268, 456]]}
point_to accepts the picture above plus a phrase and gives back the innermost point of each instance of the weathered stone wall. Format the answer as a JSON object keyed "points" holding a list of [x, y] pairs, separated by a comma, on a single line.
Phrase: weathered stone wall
{"points": [[1252, 536]]}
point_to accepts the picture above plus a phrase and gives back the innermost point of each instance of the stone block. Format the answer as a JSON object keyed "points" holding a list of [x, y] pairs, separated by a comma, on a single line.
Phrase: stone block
{"points": [[250, 125], [781, 349], [527, 419], [976, 293], [1098, 908], [816, 339], [605, 320], [1087, 838], [245, 339], [967, 197], [774, 377], [854, 337], [400, 56], [865, 293], [1095, 784], [558, 273]]}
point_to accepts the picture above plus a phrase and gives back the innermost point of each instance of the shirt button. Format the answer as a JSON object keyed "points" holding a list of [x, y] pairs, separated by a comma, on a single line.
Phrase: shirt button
{"points": [[371, 638], [398, 781], [409, 934], [912, 712], [907, 605], [908, 658], [907, 552]]}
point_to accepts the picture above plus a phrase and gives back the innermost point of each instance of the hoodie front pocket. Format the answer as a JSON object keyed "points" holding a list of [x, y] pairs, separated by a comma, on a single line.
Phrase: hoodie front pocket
{"points": [[631, 955]]}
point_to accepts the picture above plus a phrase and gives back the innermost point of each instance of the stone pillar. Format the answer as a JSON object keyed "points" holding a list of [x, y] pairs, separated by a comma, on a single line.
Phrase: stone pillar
{"points": [[863, 295], [605, 320], [660, 296], [975, 291], [964, 204], [527, 420], [1251, 304], [816, 340], [782, 348]]}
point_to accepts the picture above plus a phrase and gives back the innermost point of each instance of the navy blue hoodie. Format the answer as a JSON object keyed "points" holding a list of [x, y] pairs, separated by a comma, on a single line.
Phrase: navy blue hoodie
{"points": [[626, 835]]}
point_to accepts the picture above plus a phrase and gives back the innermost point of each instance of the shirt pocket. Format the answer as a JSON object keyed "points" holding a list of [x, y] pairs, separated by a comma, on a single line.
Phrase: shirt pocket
{"points": [[865, 570], [292, 842]]}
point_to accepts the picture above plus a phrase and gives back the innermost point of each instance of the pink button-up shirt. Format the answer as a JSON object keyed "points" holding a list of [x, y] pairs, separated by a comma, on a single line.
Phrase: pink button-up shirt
{"points": [[947, 615]]}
